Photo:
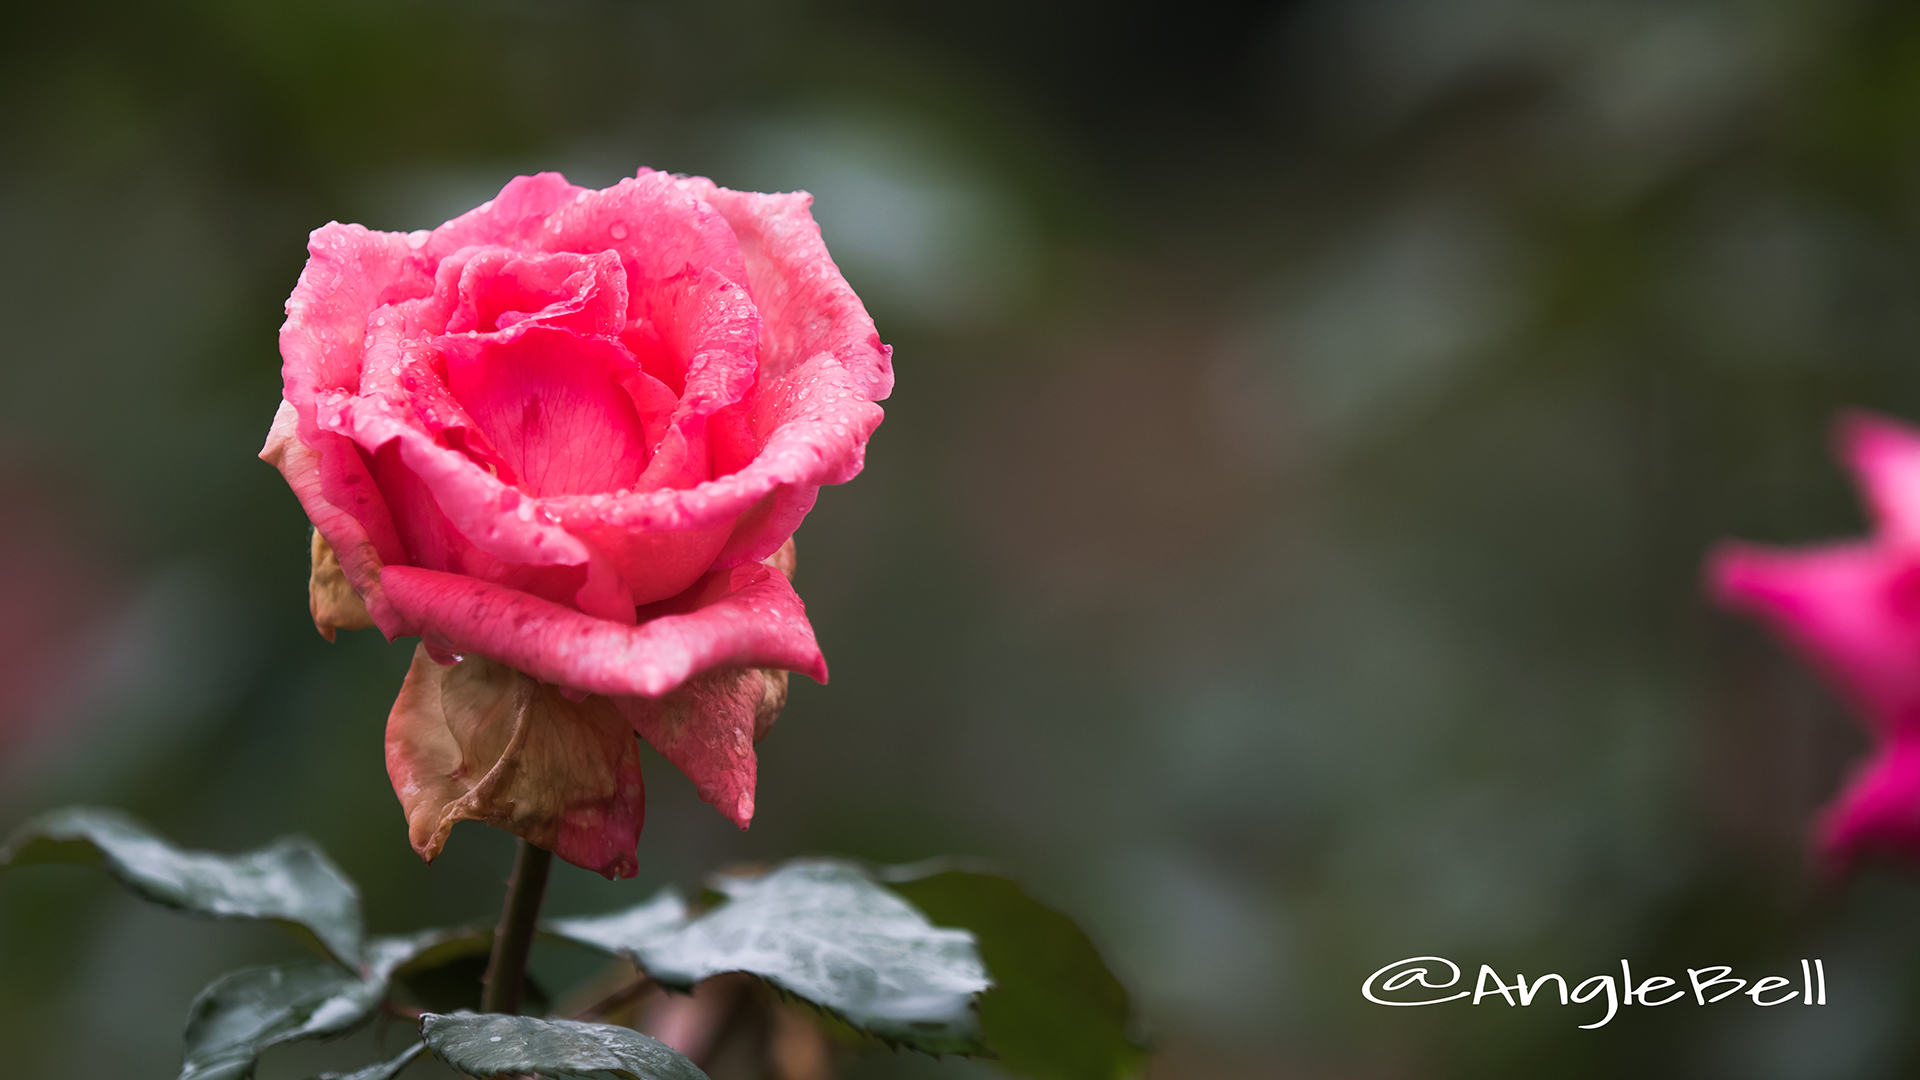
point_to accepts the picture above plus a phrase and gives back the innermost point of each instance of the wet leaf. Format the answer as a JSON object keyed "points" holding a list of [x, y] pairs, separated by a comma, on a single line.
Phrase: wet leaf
{"points": [[290, 881], [827, 933], [626, 933], [246, 1011], [498, 1045]]}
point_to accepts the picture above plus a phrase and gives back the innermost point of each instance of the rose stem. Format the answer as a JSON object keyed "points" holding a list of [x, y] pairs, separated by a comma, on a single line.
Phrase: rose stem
{"points": [[507, 968]]}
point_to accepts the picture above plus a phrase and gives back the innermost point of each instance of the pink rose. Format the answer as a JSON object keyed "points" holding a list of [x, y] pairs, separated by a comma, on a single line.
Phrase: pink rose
{"points": [[568, 436], [1853, 609]]}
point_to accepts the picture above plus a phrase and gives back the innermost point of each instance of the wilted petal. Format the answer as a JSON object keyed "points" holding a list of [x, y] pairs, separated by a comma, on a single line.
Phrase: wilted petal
{"points": [[479, 741], [707, 728], [330, 597]]}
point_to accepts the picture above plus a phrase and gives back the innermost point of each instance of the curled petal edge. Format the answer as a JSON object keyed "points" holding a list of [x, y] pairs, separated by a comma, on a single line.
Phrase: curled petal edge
{"points": [[748, 616]]}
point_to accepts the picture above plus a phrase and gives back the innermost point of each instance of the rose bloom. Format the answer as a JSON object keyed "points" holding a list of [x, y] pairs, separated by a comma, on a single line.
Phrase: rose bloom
{"points": [[566, 438], [1853, 609]]}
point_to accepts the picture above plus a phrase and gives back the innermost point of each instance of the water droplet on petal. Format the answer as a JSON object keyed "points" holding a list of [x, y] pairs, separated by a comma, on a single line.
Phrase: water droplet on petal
{"points": [[618, 230]]}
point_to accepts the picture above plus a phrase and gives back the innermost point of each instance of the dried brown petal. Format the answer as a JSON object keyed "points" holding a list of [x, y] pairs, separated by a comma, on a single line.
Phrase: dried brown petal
{"points": [[479, 741], [330, 597]]}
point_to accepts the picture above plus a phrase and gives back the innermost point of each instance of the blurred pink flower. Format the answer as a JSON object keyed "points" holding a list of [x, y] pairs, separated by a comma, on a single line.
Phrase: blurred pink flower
{"points": [[570, 434], [1853, 609]]}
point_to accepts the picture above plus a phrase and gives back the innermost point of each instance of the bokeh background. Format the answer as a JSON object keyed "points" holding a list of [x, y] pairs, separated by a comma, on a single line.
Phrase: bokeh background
{"points": [[1282, 550]]}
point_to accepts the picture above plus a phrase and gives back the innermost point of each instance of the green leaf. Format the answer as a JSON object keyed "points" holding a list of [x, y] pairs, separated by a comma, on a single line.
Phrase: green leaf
{"points": [[246, 1011], [626, 933], [499, 1045], [290, 882], [826, 932], [384, 1070], [1055, 1012]]}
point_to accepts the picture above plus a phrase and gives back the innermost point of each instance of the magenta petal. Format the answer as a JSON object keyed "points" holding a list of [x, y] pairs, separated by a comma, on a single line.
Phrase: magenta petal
{"points": [[745, 617], [1885, 457], [500, 287], [1879, 809], [1851, 608], [554, 404]]}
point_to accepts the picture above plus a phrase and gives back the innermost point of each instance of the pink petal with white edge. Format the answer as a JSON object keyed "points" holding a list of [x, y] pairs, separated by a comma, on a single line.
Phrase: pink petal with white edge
{"points": [[745, 617], [1853, 609], [1885, 458], [1880, 808]]}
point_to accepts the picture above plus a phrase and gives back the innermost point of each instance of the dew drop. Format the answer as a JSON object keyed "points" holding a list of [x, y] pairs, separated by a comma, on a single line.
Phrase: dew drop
{"points": [[618, 230]]}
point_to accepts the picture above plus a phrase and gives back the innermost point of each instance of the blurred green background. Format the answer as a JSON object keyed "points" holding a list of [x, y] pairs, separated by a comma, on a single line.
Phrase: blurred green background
{"points": [[1282, 550]]}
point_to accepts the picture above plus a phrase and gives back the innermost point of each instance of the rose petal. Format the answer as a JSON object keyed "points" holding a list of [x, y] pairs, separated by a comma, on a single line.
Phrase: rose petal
{"points": [[707, 728], [1880, 808], [346, 533], [1853, 609], [479, 741], [1885, 457], [553, 403], [434, 543], [807, 305], [517, 217], [350, 271], [815, 426], [745, 617], [494, 516], [500, 287], [334, 604], [659, 230]]}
